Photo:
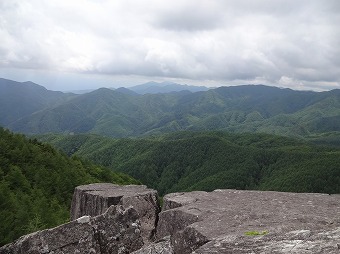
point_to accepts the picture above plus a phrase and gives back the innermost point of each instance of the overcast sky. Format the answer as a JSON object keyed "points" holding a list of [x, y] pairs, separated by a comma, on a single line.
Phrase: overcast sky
{"points": [[78, 44]]}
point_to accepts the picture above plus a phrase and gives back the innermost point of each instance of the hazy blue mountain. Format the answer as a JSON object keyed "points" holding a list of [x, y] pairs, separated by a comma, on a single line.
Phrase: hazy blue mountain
{"points": [[19, 99], [103, 111], [165, 87], [268, 101], [77, 115], [249, 108], [80, 91], [126, 91]]}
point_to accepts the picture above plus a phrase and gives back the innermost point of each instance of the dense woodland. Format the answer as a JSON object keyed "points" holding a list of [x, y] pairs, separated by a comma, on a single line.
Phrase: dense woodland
{"points": [[37, 183], [186, 161]]}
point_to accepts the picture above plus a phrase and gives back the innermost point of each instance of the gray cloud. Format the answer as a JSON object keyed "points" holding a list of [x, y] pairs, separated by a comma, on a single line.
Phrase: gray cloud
{"points": [[189, 16], [276, 42]]}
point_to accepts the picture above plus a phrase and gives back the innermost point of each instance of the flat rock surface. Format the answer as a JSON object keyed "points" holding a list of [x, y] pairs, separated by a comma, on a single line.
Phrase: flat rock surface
{"points": [[210, 222], [222, 221], [94, 199], [298, 241]]}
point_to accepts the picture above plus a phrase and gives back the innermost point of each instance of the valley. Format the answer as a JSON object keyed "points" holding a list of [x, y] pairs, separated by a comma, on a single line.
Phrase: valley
{"points": [[187, 161], [247, 137]]}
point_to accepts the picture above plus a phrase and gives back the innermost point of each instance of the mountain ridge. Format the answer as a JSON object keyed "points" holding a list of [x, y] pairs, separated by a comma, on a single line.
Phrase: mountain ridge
{"points": [[153, 87], [121, 113], [19, 99]]}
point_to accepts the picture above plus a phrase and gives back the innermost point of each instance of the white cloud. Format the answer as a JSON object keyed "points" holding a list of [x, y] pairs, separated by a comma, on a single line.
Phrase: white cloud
{"points": [[225, 41]]}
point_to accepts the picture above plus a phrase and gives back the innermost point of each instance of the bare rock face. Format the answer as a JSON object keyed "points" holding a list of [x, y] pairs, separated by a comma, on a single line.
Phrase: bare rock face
{"points": [[222, 221], [298, 241], [162, 246], [231, 221], [94, 199], [115, 231]]}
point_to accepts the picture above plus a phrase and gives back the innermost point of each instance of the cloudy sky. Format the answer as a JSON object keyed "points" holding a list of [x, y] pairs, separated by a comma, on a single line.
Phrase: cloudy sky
{"points": [[79, 44]]}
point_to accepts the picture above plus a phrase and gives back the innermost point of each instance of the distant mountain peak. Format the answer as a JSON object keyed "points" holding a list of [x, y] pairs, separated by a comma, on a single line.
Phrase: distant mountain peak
{"points": [[153, 87], [104, 89], [125, 90], [168, 107], [19, 99]]}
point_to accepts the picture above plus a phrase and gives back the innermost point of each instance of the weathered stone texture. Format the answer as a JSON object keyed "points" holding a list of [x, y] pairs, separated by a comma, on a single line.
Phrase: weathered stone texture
{"points": [[298, 241], [115, 231], [162, 246], [193, 222], [94, 199], [210, 222]]}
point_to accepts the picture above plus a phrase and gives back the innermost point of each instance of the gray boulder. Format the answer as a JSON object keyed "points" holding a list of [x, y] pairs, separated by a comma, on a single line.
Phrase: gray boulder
{"points": [[298, 241], [115, 231], [222, 221], [232, 221], [162, 246], [94, 199]]}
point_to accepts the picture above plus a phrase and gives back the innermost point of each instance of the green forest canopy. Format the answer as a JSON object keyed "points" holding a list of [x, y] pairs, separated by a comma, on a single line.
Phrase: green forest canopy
{"points": [[186, 161], [37, 183]]}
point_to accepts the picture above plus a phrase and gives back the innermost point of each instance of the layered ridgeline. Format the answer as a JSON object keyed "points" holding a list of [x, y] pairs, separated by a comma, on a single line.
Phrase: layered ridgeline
{"points": [[123, 113], [164, 87], [187, 161], [18, 99], [37, 182]]}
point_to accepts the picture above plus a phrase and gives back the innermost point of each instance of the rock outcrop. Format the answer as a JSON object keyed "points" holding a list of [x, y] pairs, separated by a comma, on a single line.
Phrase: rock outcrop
{"points": [[95, 199], [231, 221], [222, 221], [115, 231]]}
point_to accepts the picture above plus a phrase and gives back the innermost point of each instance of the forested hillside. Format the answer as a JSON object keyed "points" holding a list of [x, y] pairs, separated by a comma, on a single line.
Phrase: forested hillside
{"points": [[19, 99], [188, 161], [37, 183], [124, 113]]}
